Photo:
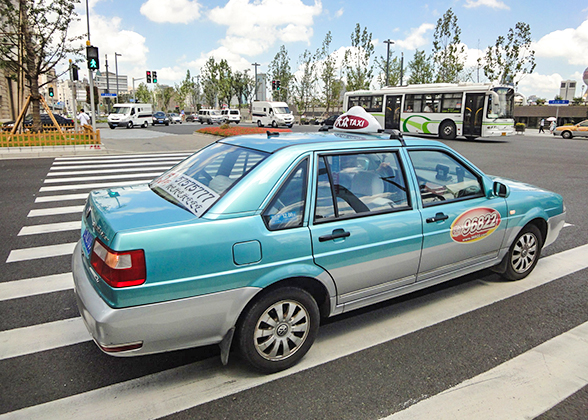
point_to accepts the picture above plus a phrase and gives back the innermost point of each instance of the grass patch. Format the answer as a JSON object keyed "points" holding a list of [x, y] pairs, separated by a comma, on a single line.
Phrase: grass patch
{"points": [[226, 130]]}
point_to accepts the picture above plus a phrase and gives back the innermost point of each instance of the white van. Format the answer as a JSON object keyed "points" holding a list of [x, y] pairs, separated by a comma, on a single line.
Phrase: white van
{"points": [[272, 113], [130, 115], [231, 115]]}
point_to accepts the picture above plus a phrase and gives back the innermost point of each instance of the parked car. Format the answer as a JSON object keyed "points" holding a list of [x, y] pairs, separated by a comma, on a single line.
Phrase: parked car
{"points": [[254, 238], [328, 122], [45, 121], [231, 115], [160, 118], [569, 131], [174, 118], [191, 118], [210, 116]]}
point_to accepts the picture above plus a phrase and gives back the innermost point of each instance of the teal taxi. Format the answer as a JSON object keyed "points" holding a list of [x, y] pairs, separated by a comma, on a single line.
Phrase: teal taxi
{"points": [[252, 240]]}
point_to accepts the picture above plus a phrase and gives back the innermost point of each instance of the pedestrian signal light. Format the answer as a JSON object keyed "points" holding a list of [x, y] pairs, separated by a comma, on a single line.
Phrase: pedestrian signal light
{"points": [[154, 77], [148, 76], [92, 57]]}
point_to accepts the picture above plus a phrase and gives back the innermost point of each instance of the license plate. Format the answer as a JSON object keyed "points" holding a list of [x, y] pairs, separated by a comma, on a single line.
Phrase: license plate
{"points": [[87, 240], [503, 133]]}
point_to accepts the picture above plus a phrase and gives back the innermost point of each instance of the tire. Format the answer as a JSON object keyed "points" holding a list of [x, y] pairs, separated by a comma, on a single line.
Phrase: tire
{"points": [[274, 124], [166, 124], [145, 124], [130, 124], [447, 130], [112, 127], [290, 126], [567, 135], [267, 338], [259, 124], [524, 253]]}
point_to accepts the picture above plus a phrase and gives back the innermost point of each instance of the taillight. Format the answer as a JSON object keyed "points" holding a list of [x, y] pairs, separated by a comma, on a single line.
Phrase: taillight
{"points": [[118, 269]]}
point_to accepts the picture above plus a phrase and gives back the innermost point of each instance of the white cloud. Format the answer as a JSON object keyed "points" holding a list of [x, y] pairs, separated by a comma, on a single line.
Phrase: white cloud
{"points": [[569, 44], [253, 27], [235, 61], [494, 4], [171, 11], [339, 13], [416, 38], [542, 85]]}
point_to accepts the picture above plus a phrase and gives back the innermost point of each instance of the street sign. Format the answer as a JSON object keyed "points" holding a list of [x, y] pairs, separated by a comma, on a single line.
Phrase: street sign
{"points": [[559, 102], [108, 95]]}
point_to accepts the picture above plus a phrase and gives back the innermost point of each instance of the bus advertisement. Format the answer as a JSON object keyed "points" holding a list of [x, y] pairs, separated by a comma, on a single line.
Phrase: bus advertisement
{"points": [[446, 110]]}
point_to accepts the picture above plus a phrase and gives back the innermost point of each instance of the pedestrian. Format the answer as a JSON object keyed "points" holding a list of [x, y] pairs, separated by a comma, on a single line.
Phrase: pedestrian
{"points": [[542, 126], [552, 127], [84, 119]]}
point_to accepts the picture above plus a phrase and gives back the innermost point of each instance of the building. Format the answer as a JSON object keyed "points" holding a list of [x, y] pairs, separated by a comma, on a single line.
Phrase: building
{"points": [[106, 82], [261, 83], [567, 90], [531, 115]]}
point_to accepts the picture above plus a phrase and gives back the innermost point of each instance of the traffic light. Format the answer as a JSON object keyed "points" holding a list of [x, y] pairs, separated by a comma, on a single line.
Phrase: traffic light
{"points": [[154, 77], [51, 94], [92, 57], [74, 72], [273, 85], [277, 85], [148, 76]]}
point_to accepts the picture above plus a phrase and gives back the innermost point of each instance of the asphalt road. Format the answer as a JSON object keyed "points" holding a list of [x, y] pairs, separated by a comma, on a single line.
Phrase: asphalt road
{"points": [[379, 361]]}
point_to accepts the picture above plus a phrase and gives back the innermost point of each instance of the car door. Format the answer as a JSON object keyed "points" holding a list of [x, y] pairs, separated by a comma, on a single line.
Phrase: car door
{"points": [[365, 231], [462, 227]]}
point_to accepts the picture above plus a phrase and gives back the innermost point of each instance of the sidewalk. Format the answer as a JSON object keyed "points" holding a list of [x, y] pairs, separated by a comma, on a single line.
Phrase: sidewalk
{"points": [[167, 143]]}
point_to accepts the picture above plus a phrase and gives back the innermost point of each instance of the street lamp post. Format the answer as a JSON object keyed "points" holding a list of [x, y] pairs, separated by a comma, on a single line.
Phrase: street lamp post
{"points": [[134, 98], [107, 83], [388, 42], [116, 66], [255, 81]]}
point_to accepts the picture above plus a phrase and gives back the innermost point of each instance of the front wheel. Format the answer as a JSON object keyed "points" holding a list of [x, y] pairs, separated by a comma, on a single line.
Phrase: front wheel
{"points": [[130, 124], [567, 135], [277, 330], [524, 253]]}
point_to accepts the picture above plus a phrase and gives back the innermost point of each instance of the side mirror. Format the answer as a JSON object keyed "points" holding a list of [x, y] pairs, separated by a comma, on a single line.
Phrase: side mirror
{"points": [[500, 190]]}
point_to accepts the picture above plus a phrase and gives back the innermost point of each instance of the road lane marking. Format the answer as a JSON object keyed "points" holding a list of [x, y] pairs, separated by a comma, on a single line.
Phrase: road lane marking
{"points": [[177, 389], [57, 169], [92, 186], [521, 388], [106, 171], [50, 228], [64, 197], [35, 253], [42, 337], [36, 286], [134, 159], [55, 210], [106, 157], [150, 175]]}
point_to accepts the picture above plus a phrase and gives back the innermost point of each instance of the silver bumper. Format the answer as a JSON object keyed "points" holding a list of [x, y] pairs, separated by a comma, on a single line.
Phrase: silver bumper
{"points": [[164, 326]]}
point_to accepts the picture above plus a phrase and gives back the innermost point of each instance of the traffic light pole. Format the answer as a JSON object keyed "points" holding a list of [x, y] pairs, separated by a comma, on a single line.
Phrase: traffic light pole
{"points": [[92, 106]]}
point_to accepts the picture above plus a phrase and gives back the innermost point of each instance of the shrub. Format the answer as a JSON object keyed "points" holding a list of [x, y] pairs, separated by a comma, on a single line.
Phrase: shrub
{"points": [[238, 131]]}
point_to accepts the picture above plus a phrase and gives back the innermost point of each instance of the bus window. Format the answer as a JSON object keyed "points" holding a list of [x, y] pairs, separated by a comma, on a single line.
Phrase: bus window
{"points": [[365, 102], [353, 101], [414, 103], [451, 103], [377, 102]]}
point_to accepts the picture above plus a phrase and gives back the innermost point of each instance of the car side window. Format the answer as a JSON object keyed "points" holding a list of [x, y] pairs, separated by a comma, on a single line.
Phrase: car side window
{"points": [[442, 178], [286, 210], [358, 184]]}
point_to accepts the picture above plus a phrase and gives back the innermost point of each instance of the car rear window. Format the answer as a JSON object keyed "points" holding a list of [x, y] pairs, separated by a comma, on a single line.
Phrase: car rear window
{"points": [[199, 181]]}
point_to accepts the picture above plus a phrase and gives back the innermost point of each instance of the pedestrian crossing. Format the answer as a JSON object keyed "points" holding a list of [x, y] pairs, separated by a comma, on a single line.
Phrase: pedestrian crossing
{"points": [[169, 391]]}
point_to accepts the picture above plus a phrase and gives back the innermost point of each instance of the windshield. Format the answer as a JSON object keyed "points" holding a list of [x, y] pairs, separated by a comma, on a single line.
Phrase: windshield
{"points": [[199, 181], [121, 110], [214, 113], [501, 105], [282, 110]]}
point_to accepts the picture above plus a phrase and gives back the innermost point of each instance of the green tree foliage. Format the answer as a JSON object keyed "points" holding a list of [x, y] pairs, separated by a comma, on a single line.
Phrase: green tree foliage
{"points": [[279, 69], [304, 86], [331, 85], [210, 82], [393, 70], [184, 89], [225, 82], [420, 68], [511, 56], [143, 95], [357, 64], [448, 52], [34, 39]]}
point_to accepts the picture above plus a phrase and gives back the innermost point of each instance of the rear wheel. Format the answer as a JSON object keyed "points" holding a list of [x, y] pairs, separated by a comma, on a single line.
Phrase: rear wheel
{"points": [[277, 330], [567, 135], [524, 253], [259, 124], [447, 130], [274, 124], [145, 124]]}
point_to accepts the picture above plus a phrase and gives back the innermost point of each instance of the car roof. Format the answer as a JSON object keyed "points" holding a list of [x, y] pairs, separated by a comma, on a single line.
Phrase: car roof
{"points": [[320, 141]]}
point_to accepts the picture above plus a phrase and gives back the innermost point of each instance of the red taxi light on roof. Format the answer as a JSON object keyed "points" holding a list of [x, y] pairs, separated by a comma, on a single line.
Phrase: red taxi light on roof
{"points": [[119, 269]]}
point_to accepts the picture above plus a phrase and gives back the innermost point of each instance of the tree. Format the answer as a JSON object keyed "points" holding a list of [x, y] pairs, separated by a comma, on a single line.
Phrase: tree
{"points": [[511, 56], [33, 39], [448, 52], [393, 71], [210, 79], [241, 85], [183, 90], [305, 84], [279, 69], [420, 68], [143, 95], [225, 82], [357, 61], [331, 85]]}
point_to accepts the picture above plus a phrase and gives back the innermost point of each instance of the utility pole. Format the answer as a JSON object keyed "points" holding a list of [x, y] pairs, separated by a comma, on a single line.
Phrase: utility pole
{"points": [[388, 42], [91, 73], [401, 67], [116, 66], [73, 96], [255, 83], [107, 83]]}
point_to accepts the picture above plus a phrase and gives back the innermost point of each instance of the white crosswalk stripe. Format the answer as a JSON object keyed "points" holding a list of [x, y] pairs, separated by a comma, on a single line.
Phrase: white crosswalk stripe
{"points": [[522, 387]]}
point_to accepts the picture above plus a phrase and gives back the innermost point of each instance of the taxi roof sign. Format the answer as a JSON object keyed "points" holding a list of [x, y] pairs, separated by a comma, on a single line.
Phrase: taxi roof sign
{"points": [[357, 120]]}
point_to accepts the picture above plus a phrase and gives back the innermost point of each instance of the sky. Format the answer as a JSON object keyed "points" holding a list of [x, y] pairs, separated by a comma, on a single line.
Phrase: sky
{"points": [[173, 36]]}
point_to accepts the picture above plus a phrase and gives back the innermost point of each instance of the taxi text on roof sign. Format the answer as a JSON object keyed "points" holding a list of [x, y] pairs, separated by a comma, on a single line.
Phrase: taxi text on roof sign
{"points": [[357, 120]]}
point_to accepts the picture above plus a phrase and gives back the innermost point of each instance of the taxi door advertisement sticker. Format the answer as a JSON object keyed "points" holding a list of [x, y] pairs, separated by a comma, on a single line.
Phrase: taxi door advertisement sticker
{"points": [[474, 225], [193, 195]]}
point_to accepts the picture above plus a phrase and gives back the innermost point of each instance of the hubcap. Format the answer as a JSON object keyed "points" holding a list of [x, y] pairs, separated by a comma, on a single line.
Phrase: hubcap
{"points": [[281, 330], [524, 253]]}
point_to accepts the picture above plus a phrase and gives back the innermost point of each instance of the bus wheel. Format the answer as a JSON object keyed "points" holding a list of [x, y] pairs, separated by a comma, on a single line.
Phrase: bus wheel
{"points": [[447, 130]]}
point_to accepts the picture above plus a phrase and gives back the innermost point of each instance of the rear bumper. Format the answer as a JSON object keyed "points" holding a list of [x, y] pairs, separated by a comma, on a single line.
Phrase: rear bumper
{"points": [[160, 327]]}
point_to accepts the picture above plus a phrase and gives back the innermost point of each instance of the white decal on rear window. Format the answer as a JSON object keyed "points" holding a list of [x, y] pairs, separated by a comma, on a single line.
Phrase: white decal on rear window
{"points": [[192, 194]]}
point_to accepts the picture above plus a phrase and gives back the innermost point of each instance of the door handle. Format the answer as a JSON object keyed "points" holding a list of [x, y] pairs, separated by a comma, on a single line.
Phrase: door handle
{"points": [[438, 218], [337, 233]]}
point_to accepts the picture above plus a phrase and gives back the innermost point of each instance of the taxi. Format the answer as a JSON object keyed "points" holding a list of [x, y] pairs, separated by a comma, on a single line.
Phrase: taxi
{"points": [[252, 240], [569, 131]]}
